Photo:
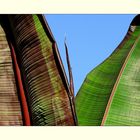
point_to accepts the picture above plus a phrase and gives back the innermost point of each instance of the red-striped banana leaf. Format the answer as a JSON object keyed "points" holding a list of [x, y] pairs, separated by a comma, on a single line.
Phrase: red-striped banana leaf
{"points": [[110, 94], [43, 87]]}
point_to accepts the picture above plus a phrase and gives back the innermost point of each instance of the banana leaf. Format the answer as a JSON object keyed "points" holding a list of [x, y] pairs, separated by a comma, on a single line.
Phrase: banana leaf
{"points": [[110, 93], [10, 109], [45, 89]]}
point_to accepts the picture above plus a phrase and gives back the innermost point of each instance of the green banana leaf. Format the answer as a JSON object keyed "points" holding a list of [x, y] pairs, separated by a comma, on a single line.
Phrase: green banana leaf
{"points": [[110, 93]]}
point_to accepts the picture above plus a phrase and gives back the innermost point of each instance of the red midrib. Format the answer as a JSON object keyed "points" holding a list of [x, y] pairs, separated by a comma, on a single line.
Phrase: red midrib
{"points": [[22, 94]]}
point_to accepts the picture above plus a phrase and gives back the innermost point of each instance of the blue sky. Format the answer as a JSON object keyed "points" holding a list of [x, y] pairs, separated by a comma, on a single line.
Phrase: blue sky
{"points": [[90, 39]]}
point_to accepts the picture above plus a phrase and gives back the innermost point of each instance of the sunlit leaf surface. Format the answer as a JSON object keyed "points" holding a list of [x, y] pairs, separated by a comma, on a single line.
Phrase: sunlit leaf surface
{"points": [[110, 94]]}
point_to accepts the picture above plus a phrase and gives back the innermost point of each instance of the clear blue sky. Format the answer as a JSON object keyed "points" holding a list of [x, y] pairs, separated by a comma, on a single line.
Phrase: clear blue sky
{"points": [[90, 39]]}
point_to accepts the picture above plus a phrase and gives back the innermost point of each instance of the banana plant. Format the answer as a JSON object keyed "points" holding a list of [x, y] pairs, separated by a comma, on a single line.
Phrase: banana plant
{"points": [[110, 93]]}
